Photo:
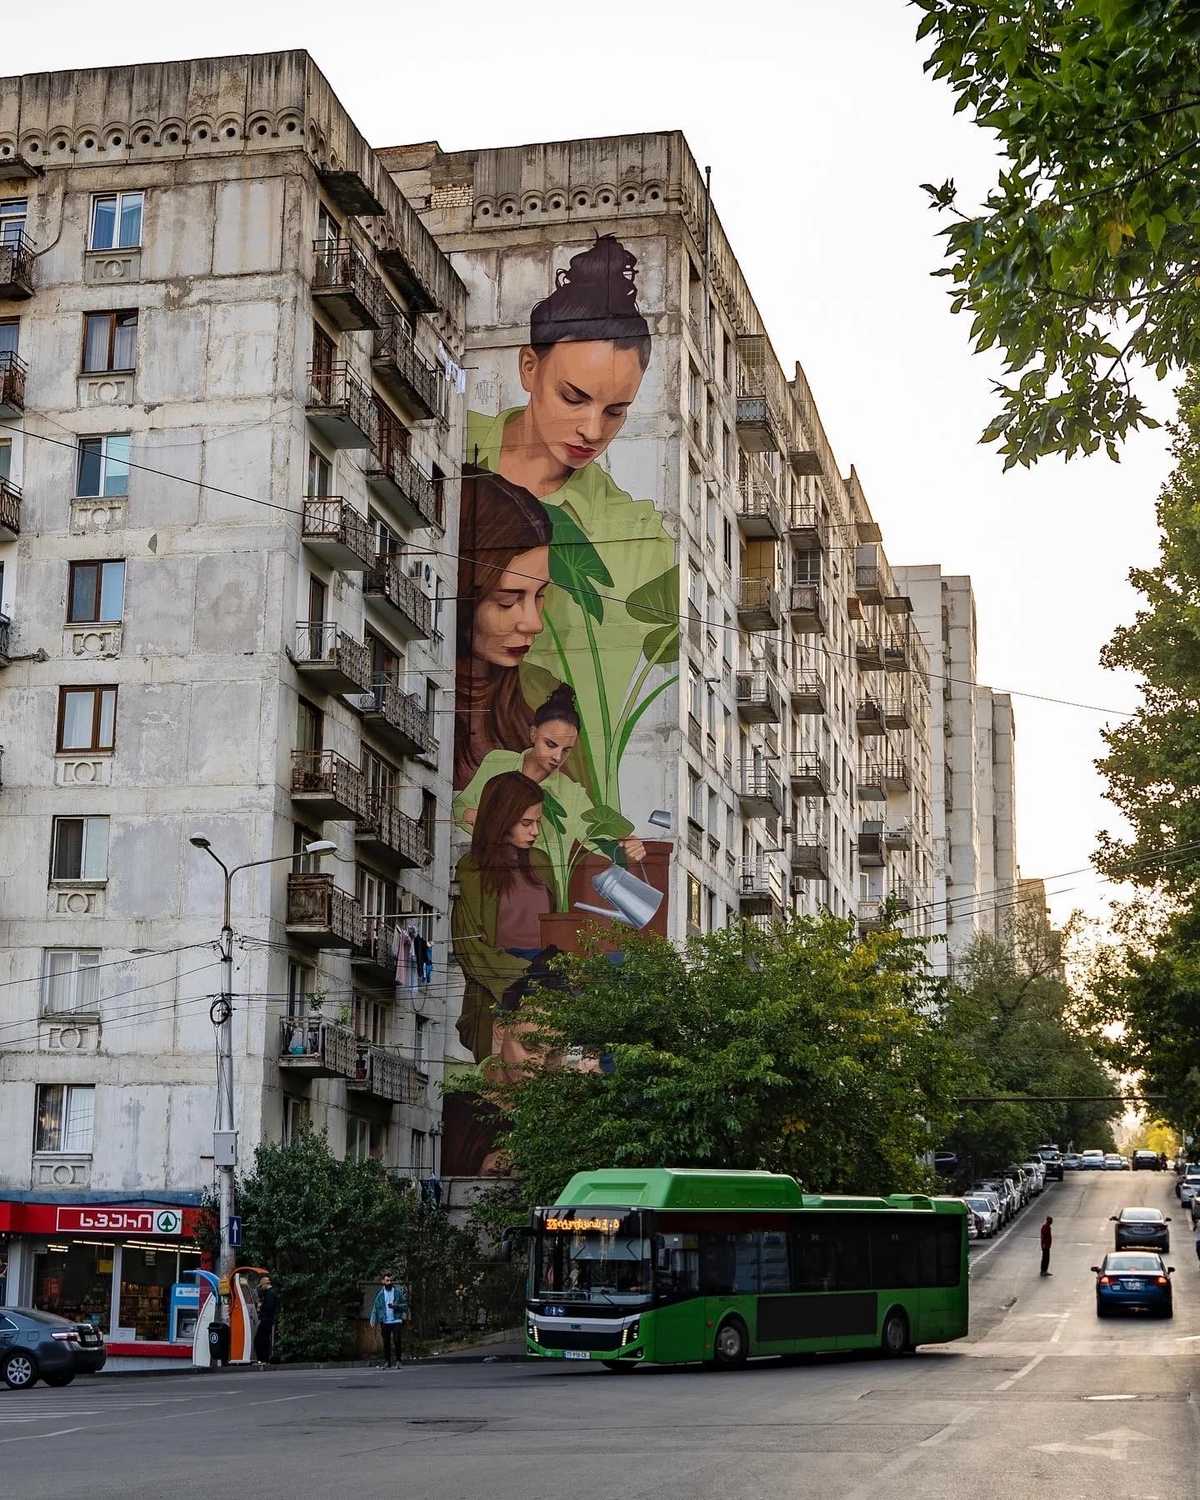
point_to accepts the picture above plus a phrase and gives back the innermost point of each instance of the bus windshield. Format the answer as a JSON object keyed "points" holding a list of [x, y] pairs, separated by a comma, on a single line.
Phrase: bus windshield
{"points": [[609, 1265]]}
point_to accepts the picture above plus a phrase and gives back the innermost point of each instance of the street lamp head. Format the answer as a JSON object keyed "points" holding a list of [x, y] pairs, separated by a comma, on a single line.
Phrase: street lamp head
{"points": [[199, 841], [321, 846]]}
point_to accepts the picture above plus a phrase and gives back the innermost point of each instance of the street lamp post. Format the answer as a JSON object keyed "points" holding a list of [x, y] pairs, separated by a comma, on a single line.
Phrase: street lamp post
{"points": [[222, 1018]]}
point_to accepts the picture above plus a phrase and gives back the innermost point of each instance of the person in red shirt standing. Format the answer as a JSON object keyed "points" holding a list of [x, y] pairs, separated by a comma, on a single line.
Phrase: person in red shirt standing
{"points": [[1047, 1241]]}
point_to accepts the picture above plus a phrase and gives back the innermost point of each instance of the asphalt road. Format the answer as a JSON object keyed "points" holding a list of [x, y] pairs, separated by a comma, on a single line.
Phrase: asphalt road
{"points": [[1042, 1401]]}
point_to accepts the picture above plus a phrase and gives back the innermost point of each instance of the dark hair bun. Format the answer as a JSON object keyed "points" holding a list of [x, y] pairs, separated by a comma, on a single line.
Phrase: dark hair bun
{"points": [[593, 298], [559, 707], [606, 264]]}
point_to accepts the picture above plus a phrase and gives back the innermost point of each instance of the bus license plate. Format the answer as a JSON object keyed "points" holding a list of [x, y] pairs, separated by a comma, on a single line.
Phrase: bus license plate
{"points": [[575, 1354]]}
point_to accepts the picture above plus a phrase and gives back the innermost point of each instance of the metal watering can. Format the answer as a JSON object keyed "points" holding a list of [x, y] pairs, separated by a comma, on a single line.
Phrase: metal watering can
{"points": [[635, 901]]}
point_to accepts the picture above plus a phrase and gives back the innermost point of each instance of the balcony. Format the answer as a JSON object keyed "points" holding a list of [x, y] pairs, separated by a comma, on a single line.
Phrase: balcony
{"points": [[804, 461], [345, 287], [758, 698], [319, 915], [807, 691], [16, 268], [381, 1071], [809, 774], [399, 598], [805, 528], [897, 712], [392, 476], [12, 386], [10, 511], [869, 717], [335, 532], [398, 718], [810, 859], [759, 790], [695, 734], [401, 371], [327, 785], [897, 774], [373, 957], [340, 406], [316, 1048], [868, 651], [351, 192], [872, 845], [392, 837], [895, 651], [330, 659], [898, 839], [870, 782], [871, 915], [806, 609], [758, 604], [868, 583], [758, 888], [757, 426], [901, 897], [758, 511], [5, 641]]}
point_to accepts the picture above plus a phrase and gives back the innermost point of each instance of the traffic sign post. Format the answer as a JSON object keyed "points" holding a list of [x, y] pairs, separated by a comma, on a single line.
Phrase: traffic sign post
{"points": [[235, 1231]]}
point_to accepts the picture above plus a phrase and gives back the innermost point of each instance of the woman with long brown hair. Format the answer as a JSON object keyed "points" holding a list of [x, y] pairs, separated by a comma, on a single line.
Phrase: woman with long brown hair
{"points": [[503, 575]]}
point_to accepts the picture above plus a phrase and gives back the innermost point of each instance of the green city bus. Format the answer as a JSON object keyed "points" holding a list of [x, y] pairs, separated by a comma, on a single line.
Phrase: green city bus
{"points": [[675, 1266]]}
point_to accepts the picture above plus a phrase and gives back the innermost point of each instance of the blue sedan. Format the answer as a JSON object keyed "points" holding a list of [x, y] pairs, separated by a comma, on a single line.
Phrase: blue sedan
{"points": [[1133, 1279]]}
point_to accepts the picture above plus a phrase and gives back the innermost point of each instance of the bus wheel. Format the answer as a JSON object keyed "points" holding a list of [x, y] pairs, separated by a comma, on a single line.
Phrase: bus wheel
{"points": [[732, 1345], [619, 1366], [895, 1333]]}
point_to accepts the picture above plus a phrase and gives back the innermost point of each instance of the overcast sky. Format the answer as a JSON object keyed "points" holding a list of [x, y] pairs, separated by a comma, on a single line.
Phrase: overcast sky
{"points": [[819, 125]]}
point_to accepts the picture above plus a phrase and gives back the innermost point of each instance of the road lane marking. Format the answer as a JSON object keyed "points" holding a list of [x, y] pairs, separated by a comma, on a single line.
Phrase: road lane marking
{"points": [[1118, 1439], [40, 1437], [1022, 1372], [881, 1482]]}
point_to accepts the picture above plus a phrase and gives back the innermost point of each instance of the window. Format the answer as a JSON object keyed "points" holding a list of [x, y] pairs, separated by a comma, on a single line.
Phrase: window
{"points": [[327, 225], [379, 775], [109, 341], [299, 985], [96, 593], [369, 1020], [365, 1139], [86, 718], [13, 213], [727, 542], [428, 817], [103, 465], [304, 864], [319, 474], [309, 727], [79, 849], [116, 221], [693, 901], [5, 458], [70, 981], [295, 1119], [10, 334], [419, 1151], [324, 354], [65, 1114], [419, 1043]]}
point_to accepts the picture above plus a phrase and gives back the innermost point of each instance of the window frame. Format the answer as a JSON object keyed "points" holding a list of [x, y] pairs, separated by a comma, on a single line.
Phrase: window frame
{"points": [[67, 1092], [95, 746], [105, 458], [113, 316], [11, 214], [87, 819], [73, 975], [75, 569], [118, 198]]}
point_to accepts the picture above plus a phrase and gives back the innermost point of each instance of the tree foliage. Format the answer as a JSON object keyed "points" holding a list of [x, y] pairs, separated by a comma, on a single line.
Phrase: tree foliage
{"points": [[800, 1049], [1084, 260], [1153, 763]]}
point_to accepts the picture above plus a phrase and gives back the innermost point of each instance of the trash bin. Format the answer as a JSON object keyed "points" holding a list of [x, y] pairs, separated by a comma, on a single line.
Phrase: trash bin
{"points": [[218, 1343]]}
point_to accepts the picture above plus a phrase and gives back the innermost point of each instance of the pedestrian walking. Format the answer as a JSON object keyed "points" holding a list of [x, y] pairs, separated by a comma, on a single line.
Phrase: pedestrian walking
{"points": [[1047, 1241], [389, 1311], [268, 1313], [1196, 1231]]}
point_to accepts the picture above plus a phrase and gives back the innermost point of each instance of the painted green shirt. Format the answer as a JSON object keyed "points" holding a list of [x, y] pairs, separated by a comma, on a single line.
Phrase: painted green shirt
{"points": [[605, 648]]}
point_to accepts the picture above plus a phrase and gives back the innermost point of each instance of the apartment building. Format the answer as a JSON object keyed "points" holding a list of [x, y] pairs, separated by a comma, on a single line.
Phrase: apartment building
{"points": [[232, 428], [976, 878]]}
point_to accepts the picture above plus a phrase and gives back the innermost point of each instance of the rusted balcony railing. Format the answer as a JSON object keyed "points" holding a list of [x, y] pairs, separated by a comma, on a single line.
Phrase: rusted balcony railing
{"points": [[319, 914], [809, 774], [759, 790], [383, 1072], [391, 835], [899, 838], [13, 370], [328, 656], [340, 406], [408, 607], [869, 716], [895, 650], [401, 370], [759, 513], [872, 845], [392, 475], [807, 692], [758, 604], [375, 948], [10, 511], [805, 526], [868, 651], [16, 267], [758, 698], [346, 287], [336, 532], [757, 880], [398, 717], [806, 608], [316, 1047], [329, 785]]}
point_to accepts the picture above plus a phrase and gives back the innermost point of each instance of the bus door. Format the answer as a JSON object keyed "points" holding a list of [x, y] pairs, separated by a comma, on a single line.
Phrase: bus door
{"points": [[679, 1318], [943, 1297]]}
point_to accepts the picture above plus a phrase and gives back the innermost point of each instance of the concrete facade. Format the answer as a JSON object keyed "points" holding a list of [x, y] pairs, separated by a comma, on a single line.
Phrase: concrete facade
{"points": [[285, 529]]}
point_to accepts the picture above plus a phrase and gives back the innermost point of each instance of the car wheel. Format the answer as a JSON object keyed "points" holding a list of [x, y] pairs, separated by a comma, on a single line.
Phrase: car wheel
{"points": [[731, 1347], [19, 1370], [59, 1380], [894, 1339], [619, 1366]]}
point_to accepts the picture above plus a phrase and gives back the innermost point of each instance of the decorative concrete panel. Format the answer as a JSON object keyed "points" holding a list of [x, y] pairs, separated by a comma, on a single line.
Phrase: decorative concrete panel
{"points": [[74, 900], [85, 770], [62, 1171], [92, 641], [92, 517], [105, 390], [104, 267], [81, 1034]]}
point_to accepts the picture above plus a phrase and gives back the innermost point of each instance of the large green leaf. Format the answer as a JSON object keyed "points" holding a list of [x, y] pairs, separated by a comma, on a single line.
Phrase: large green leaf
{"points": [[656, 602], [575, 564]]}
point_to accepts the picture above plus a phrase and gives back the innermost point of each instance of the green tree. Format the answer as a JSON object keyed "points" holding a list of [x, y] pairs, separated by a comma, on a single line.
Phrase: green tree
{"points": [[1084, 260], [798, 1049], [1153, 763]]}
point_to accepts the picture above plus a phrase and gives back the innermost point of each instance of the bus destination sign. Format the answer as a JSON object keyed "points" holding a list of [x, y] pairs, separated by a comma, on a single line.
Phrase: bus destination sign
{"points": [[581, 1225]]}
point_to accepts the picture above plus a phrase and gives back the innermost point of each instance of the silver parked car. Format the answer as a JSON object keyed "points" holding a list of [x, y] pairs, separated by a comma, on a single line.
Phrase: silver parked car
{"points": [[987, 1211]]}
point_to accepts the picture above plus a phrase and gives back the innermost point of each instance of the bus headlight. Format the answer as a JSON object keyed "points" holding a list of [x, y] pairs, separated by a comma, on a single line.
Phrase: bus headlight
{"points": [[630, 1332], [531, 1329]]}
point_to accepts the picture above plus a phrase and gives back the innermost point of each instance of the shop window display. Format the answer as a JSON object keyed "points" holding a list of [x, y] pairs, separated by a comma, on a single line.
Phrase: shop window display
{"points": [[75, 1281]]}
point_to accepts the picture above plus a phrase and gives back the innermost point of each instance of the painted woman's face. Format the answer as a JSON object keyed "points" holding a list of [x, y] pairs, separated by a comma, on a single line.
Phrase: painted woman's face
{"points": [[523, 834], [551, 743], [579, 396], [509, 618]]}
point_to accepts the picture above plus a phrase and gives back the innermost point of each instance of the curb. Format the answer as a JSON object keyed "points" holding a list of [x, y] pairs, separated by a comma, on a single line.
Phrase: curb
{"points": [[357, 1364]]}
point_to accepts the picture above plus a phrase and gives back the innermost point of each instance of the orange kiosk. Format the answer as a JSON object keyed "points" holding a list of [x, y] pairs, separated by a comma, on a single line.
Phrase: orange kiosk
{"points": [[243, 1315]]}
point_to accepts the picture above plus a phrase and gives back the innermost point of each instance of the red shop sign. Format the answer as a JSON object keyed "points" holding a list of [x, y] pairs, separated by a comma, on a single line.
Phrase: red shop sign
{"points": [[162, 1221]]}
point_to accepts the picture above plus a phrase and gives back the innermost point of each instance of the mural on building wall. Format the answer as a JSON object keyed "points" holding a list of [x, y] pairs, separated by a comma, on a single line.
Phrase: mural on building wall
{"points": [[568, 633]]}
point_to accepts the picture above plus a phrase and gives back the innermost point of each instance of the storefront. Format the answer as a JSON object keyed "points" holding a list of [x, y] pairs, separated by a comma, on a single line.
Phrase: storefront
{"points": [[112, 1264]]}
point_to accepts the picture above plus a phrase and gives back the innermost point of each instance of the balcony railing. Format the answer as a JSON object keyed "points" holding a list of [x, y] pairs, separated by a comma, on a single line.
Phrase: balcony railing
{"points": [[10, 511], [407, 606], [871, 914], [757, 884], [329, 785], [16, 267], [13, 370], [870, 781], [808, 692], [319, 914], [868, 583], [316, 1047], [326, 655], [398, 717], [897, 711], [758, 512], [758, 698], [897, 774], [5, 637], [392, 475], [868, 652], [374, 951], [810, 859], [759, 790], [393, 836], [383, 1072], [899, 838], [872, 845], [895, 651], [340, 406], [869, 717], [809, 774], [806, 608], [345, 286], [336, 533], [401, 370], [758, 604], [805, 527]]}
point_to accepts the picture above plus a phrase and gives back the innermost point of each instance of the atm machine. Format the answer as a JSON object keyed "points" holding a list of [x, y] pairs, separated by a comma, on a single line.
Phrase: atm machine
{"points": [[183, 1309]]}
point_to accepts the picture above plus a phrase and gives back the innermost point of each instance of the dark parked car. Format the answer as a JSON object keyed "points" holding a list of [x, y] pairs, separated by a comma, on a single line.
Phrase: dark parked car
{"points": [[42, 1346], [1141, 1228], [1146, 1161], [1051, 1158], [1135, 1279]]}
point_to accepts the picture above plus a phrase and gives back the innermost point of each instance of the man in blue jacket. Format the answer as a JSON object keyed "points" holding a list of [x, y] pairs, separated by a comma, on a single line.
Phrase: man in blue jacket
{"points": [[390, 1311]]}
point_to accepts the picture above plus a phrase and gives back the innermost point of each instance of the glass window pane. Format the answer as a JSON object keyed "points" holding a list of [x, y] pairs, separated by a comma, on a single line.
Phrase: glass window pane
{"points": [[131, 219], [77, 1136], [95, 343], [59, 968], [125, 341], [95, 849], [83, 592], [112, 590], [108, 715], [68, 848], [75, 1282], [104, 223], [77, 720], [91, 452], [87, 982], [5, 458], [49, 1118], [10, 333], [116, 465]]}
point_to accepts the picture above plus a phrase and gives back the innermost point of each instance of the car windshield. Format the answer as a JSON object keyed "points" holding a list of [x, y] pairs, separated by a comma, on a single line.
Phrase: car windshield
{"points": [[593, 1255], [980, 1205], [1133, 1263], [1140, 1216]]}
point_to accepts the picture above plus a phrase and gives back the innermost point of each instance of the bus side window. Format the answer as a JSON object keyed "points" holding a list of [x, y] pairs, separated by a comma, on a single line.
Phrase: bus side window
{"points": [[676, 1264], [950, 1230], [850, 1253], [927, 1241], [716, 1264], [813, 1267], [893, 1254], [774, 1273]]}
